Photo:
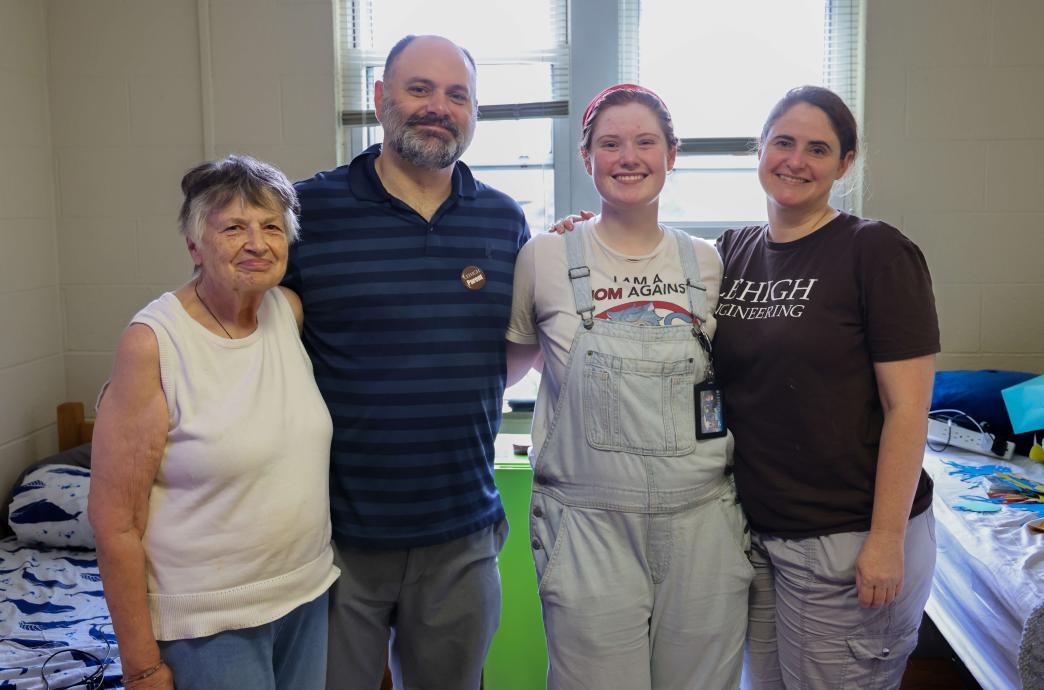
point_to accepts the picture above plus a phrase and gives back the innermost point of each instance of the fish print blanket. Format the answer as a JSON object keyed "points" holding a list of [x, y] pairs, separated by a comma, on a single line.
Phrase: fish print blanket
{"points": [[51, 603]]}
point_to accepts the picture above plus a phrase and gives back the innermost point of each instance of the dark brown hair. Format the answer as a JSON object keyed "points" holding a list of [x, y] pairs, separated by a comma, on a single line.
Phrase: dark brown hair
{"points": [[841, 118]]}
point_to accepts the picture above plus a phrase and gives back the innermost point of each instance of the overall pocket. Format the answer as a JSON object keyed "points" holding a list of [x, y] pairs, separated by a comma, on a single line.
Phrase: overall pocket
{"points": [[547, 532], [639, 406]]}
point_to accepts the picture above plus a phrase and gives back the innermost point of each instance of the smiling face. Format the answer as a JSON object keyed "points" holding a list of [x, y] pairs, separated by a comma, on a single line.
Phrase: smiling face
{"points": [[243, 248], [799, 160], [629, 156], [426, 104]]}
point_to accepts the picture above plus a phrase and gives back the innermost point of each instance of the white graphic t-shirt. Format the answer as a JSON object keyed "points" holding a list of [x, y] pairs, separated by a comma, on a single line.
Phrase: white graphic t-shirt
{"points": [[644, 290]]}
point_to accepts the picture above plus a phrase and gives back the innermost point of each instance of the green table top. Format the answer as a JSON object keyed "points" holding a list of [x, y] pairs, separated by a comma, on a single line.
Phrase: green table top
{"points": [[506, 447]]}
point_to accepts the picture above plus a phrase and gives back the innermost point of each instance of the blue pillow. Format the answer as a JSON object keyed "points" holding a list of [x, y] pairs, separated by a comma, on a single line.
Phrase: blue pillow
{"points": [[978, 393]]}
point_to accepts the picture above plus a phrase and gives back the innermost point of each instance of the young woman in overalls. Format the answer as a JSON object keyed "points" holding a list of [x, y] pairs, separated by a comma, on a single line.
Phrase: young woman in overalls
{"points": [[636, 533]]}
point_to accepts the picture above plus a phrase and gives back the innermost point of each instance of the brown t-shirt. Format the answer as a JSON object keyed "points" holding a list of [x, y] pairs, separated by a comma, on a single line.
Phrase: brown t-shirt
{"points": [[800, 326]]}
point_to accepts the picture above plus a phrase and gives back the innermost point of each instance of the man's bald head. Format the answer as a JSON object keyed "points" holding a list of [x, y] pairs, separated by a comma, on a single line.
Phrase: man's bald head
{"points": [[405, 41]]}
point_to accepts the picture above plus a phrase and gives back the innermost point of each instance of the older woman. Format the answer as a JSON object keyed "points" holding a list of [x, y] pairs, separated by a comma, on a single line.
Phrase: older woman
{"points": [[209, 492]]}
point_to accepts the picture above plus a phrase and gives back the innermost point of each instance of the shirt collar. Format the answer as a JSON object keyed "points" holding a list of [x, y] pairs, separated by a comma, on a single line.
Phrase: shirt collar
{"points": [[366, 184]]}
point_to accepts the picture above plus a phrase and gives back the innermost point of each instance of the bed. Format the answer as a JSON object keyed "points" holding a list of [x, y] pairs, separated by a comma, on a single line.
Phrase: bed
{"points": [[55, 630], [988, 592]]}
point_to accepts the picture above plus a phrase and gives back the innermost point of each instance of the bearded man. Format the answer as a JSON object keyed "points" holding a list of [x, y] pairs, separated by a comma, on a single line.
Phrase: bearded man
{"points": [[405, 268]]}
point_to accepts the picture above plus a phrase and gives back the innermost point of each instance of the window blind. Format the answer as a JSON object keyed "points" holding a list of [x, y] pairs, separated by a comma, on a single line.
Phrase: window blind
{"points": [[844, 67], [363, 46]]}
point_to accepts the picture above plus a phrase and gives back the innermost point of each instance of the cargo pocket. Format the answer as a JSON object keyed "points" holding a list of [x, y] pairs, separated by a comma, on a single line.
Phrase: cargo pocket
{"points": [[639, 406], [548, 528], [877, 662]]}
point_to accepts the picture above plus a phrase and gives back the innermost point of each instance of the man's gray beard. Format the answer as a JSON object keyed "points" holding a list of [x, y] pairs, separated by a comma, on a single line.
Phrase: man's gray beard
{"points": [[424, 151]]}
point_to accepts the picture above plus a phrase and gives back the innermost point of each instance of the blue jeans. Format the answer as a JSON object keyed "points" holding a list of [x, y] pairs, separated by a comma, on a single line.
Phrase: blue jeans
{"points": [[286, 654]]}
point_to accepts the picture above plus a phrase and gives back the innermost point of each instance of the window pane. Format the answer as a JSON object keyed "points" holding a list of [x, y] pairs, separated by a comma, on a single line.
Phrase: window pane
{"points": [[513, 83], [532, 188], [738, 58], [492, 27], [713, 188], [514, 156], [513, 142]]}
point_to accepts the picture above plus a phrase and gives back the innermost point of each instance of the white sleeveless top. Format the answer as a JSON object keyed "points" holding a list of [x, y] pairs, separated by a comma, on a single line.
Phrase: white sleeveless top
{"points": [[239, 514]]}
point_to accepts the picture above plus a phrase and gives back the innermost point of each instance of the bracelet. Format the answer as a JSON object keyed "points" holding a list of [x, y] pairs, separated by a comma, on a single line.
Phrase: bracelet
{"points": [[144, 674]]}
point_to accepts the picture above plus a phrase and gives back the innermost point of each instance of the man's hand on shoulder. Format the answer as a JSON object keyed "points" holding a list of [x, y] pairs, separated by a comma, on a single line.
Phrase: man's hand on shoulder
{"points": [[566, 224]]}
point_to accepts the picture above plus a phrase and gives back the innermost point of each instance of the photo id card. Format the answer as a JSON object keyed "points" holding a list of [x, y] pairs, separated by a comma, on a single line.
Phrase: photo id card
{"points": [[710, 411]]}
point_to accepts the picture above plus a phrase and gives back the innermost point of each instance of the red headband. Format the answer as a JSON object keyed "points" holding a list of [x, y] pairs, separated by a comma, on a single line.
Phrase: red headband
{"points": [[598, 99]]}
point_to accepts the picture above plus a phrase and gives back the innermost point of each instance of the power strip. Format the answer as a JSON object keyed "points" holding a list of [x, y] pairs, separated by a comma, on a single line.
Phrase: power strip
{"points": [[955, 436]]}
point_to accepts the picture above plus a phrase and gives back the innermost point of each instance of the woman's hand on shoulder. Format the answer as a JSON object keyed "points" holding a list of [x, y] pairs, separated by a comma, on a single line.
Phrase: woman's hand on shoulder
{"points": [[566, 224], [295, 305]]}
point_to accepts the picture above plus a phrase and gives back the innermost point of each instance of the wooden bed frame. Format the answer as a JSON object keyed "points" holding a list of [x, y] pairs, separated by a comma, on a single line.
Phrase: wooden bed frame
{"points": [[73, 428]]}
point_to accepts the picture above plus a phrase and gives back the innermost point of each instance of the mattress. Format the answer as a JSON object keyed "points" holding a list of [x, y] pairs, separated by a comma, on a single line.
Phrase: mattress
{"points": [[989, 576]]}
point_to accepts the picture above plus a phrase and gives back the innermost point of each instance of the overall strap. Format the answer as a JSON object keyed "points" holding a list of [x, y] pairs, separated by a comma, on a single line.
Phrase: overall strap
{"points": [[579, 275], [693, 280]]}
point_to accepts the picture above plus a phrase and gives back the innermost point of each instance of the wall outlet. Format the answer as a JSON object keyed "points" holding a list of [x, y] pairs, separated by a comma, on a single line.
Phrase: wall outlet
{"points": [[942, 432]]}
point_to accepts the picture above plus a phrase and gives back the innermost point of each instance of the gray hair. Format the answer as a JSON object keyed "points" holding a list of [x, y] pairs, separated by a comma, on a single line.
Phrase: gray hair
{"points": [[212, 185]]}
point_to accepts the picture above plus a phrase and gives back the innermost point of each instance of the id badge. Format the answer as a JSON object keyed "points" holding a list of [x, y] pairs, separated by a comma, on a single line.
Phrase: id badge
{"points": [[710, 410]]}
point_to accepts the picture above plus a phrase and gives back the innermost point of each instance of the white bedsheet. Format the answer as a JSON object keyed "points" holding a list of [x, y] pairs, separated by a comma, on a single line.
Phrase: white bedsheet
{"points": [[989, 576]]}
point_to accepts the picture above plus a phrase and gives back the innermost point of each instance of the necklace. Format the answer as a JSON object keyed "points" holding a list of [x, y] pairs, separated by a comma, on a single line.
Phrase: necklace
{"points": [[822, 215], [195, 288], [812, 228]]}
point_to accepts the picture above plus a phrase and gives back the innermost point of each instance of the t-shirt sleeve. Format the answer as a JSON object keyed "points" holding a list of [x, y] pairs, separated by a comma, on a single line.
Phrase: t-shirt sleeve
{"points": [[525, 235], [722, 243], [710, 269], [522, 326], [901, 320]]}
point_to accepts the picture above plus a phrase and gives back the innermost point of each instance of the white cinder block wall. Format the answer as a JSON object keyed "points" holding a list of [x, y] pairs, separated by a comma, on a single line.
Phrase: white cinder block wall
{"points": [[127, 122], [955, 135], [105, 105], [32, 372], [142, 90]]}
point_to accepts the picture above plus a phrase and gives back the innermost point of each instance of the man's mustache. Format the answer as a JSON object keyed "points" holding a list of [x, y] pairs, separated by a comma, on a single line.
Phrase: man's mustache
{"points": [[438, 120]]}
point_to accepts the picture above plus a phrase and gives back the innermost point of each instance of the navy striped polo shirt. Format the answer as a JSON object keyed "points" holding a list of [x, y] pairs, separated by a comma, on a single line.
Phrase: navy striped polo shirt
{"points": [[410, 361]]}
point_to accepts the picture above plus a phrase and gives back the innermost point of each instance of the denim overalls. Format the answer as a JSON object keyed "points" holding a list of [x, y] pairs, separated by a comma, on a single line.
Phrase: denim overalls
{"points": [[638, 540]]}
